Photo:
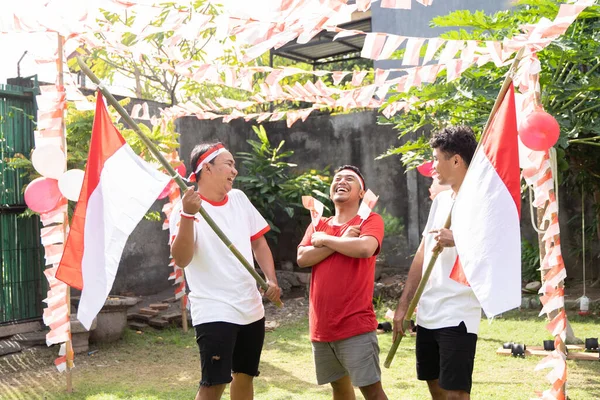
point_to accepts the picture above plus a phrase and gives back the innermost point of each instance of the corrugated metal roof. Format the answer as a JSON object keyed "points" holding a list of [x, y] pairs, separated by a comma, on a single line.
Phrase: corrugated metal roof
{"points": [[322, 48]]}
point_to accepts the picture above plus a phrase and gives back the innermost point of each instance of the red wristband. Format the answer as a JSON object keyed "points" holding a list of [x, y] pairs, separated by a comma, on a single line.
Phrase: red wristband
{"points": [[188, 216]]}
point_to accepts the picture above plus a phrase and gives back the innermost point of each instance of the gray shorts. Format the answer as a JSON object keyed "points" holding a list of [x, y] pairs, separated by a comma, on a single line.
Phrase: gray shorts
{"points": [[357, 356]]}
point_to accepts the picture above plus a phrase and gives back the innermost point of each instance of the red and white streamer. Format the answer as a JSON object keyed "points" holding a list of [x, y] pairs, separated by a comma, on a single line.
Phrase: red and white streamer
{"points": [[51, 106]]}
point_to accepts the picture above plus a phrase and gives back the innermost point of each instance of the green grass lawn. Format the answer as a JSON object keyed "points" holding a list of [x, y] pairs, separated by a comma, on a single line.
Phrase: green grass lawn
{"points": [[165, 365]]}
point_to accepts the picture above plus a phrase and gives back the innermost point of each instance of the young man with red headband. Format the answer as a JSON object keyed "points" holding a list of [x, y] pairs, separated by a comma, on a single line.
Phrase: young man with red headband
{"points": [[226, 306], [342, 251]]}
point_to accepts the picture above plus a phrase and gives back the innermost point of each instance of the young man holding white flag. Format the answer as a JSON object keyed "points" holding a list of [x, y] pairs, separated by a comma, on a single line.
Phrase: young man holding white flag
{"points": [[449, 313], [342, 251], [479, 266], [227, 309]]}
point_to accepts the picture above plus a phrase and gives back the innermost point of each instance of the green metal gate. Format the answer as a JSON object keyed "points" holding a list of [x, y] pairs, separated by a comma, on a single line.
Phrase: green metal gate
{"points": [[22, 282]]}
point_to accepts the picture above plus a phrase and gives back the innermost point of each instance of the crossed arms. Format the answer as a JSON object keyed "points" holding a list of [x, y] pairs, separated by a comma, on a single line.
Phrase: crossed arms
{"points": [[349, 244]]}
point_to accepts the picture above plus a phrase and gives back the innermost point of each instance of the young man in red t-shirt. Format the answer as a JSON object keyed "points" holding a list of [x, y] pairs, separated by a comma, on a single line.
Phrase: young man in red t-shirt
{"points": [[342, 251]]}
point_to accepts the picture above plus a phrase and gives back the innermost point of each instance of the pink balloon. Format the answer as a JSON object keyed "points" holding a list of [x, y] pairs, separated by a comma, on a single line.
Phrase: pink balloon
{"points": [[539, 131], [167, 190], [426, 169], [42, 194]]}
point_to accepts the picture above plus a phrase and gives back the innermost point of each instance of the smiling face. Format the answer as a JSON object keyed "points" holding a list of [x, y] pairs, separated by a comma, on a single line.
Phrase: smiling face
{"points": [[446, 166], [345, 187], [222, 172]]}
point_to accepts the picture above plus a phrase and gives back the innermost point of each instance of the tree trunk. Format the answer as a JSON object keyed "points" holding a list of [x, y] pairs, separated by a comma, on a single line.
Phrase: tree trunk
{"points": [[596, 270]]}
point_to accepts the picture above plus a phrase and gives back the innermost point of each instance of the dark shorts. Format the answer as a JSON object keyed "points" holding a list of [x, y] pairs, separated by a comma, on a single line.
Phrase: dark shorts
{"points": [[227, 348], [447, 354]]}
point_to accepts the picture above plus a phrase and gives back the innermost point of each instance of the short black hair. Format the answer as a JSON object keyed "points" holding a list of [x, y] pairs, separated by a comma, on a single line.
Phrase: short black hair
{"points": [[197, 152], [352, 168], [453, 140]]}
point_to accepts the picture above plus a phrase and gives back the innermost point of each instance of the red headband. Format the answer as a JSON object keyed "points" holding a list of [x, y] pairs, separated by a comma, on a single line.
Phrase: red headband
{"points": [[210, 154], [361, 180]]}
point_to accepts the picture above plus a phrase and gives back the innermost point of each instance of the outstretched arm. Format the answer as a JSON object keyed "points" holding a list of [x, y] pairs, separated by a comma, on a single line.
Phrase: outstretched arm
{"points": [[264, 258]]}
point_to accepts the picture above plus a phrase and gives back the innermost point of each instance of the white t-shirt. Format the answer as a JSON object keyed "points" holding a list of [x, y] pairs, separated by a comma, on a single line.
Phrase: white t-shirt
{"points": [[445, 302], [221, 289]]}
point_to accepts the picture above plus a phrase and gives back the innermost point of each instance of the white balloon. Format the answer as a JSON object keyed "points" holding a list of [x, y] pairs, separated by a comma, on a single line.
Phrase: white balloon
{"points": [[70, 184], [49, 161]]}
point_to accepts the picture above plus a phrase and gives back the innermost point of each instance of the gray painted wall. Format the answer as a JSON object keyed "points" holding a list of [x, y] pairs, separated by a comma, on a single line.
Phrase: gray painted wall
{"points": [[144, 265]]}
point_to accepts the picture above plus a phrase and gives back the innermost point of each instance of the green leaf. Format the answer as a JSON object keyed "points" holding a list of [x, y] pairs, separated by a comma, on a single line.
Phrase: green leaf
{"points": [[262, 134]]}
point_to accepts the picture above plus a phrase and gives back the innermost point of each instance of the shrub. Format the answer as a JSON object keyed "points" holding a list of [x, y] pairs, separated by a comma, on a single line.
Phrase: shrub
{"points": [[392, 225], [272, 186], [530, 261]]}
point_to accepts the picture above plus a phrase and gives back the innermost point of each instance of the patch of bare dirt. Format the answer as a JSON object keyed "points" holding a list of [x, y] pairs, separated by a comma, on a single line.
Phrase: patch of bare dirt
{"points": [[294, 309]]}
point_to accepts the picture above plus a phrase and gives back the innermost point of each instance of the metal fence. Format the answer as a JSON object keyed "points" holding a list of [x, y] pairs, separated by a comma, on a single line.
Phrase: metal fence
{"points": [[22, 282]]}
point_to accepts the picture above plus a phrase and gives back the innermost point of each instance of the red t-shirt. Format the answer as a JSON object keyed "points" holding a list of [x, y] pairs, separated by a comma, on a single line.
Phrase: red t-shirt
{"points": [[341, 287]]}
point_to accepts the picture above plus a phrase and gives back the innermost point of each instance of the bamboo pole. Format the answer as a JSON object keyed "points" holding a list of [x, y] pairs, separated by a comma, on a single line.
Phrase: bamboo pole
{"points": [[69, 343], [182, 185], [432, 261], [416, 298], [184, 321]]}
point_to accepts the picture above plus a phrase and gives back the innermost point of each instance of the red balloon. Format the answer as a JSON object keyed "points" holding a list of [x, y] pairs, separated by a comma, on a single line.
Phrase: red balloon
{"points": [[426, 169], [539, 131], [167, 190], [42, 194]]}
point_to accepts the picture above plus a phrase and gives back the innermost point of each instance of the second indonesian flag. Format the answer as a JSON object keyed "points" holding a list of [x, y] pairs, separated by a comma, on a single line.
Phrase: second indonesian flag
{"points": [[485, 218], [118, 189]]}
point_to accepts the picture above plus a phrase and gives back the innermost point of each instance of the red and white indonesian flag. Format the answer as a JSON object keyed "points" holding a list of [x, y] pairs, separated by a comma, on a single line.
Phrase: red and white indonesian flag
{"points": [[367, 205], [315, 207], [118, 189], [485, 218]]}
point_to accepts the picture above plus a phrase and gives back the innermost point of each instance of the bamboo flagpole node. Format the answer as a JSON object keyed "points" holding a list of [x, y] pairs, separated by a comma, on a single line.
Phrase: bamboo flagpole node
{"points": [[436, 253], [176, 177]]}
